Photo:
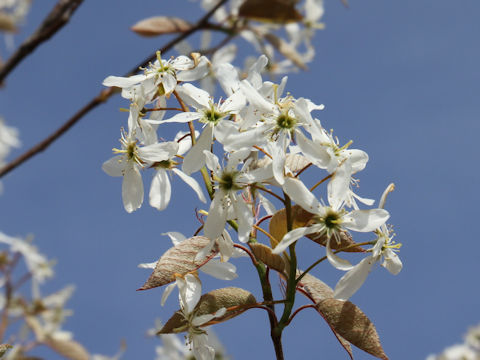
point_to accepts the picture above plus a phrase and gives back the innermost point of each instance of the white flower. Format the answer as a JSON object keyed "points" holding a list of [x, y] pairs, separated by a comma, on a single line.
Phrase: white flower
{"points": [[227, 204], [160, 190], [328, 221], [37, 263], [189, 295], [208, 113], [384, 248], [162, 74], [129, 163]]}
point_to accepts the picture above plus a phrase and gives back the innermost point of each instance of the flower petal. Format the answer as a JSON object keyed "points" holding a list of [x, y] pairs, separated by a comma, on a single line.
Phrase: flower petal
{"points": [[160, 190], [190, 181], [365, 220], [337, 262], [354, 279], [132, 189]]}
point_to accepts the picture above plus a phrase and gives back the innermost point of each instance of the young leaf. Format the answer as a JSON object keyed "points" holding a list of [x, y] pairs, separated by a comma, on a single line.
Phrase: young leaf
{"points": [[159, 25], [179, 259], [279, 11], [7, 22], [264, 254], [235, 300], [317, 291], [351, 323]]}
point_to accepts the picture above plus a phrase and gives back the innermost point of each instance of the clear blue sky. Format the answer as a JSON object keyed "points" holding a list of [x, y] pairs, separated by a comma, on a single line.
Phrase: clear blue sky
{"points": [[401, 79]]}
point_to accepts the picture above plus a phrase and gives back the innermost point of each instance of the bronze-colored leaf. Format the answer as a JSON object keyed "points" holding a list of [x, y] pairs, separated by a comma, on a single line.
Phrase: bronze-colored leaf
{"points": [[279, 11], [314, 287], [264, 254], [301, 218], [179, 259], [159, 25], [351, 323], [69, 349], [286, 50], [278, 222], [317, 291], [7, 22], [235, 300]]}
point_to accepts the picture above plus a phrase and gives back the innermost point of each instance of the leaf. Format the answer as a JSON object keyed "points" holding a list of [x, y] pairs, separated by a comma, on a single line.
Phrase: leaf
{"points": [[316, 288], [159, 25], [69, 349], [286, 50], [279, 11], [179, 259], [7, 22], [351, 323], [235, 300], [301, 218], [264, 254], [318, 291]]}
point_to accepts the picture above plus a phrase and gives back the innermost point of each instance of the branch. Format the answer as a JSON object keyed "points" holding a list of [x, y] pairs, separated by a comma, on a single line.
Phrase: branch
{"points": [[55, 20], [102, 97]]}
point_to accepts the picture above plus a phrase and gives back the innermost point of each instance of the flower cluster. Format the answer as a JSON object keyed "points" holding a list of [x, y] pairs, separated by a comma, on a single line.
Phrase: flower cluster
{"points": [[468, 350], [257, 139]]}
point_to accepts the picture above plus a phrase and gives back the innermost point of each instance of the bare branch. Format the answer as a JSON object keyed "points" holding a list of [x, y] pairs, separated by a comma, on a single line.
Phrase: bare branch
{"points": [[55, 20], [102, 97]]}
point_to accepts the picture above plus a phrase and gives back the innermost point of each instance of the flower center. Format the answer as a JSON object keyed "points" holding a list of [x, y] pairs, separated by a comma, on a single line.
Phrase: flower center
{"points": [[227, 181], [285, 122], [212, 116]]}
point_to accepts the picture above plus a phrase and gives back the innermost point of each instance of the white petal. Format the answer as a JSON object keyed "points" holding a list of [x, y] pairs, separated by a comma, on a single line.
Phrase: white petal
{"points": [[337, 262], [198, 98], [123, 82], [151, 265], [220, 270], [293, 236], [132, 189], [115, 166], [353, 279], [234, 103], [160, 190], [217, 217], [244, 217], [255, 99], [227, 76], [365, 220], [299, 193], [211, 160], [195, 159], [182, 117], [339, 185], [158, 152], [166, 293], [392, 262], [201, 70], [190, 289], [192, 183], [175, 236], [313, 151], [266, 204]]}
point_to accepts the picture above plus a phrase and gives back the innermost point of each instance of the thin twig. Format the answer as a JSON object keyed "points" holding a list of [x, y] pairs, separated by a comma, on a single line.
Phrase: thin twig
{"points": [[103, 96], [55, 20]]}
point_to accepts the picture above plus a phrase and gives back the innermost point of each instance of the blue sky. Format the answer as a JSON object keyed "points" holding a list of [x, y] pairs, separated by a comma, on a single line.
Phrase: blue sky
{"points": [[401, 79]]}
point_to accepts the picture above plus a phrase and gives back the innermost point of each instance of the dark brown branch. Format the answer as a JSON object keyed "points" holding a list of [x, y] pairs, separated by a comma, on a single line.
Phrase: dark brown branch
{"points": [[103, 96], [55, 20]]}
